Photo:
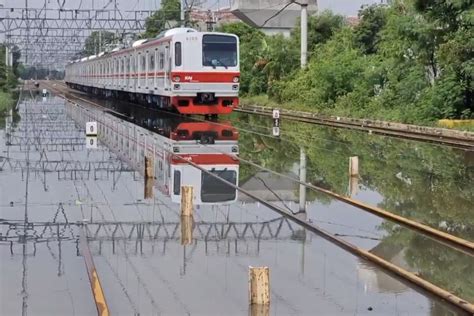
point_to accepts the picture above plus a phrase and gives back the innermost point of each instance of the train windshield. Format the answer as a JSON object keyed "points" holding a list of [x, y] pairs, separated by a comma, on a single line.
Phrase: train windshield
{"points": [[219, 51], [213, 190]]}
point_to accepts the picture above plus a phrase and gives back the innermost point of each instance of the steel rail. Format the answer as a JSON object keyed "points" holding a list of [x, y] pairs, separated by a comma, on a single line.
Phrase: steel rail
{"points": [[368, 126], [451, 141], [382, 263], [465, 246], [96, 286]]}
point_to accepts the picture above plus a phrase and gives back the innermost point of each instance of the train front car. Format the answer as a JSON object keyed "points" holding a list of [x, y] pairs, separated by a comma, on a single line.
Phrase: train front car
{"points": [[214, 149], [205, 73]]}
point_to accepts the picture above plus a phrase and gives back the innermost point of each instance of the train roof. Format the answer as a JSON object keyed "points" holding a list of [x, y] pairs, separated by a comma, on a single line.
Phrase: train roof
{"points": [[138, 43]]}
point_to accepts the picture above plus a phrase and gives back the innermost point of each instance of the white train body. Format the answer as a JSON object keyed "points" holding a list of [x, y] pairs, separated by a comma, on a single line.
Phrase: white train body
{"points": [[189, 71]]}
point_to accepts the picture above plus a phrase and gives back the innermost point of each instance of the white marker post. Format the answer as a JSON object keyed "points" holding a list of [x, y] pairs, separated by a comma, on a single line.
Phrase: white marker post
{"points": [[91, 135], [276, 122], [91, 129]]}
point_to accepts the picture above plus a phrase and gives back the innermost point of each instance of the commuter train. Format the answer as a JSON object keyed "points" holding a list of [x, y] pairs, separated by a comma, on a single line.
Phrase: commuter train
{"points": [[181, 69], [212, 146]]}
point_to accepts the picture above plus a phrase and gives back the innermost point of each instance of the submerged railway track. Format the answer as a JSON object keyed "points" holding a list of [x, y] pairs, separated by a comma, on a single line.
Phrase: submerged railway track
{"points": [[452, 138], [465, 246]]}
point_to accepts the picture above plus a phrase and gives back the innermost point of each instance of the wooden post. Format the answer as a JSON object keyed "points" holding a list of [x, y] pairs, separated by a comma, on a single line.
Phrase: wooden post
{"points": [[259, 285], [148, 188], [149, 177], [353, 186], [354, 166], [259, 310], [149, 172], [186, 230], [187, 200]]}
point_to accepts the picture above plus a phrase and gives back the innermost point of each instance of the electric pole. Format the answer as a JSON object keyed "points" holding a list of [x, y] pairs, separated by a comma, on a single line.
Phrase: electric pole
{"points": [[304, 33], [183, 10]]}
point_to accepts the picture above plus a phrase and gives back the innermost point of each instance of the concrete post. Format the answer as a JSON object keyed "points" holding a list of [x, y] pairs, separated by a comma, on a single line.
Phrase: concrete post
{"points": [[304, 33], [7, 57], [182, 15], [302, 179]]}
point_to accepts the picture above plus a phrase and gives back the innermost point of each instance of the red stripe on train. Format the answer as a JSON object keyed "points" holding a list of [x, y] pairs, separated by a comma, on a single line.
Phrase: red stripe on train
{"points": [[189, 76], [206, 159]]}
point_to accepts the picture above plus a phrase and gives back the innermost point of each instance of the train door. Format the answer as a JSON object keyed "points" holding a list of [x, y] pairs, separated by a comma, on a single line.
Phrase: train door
{"points": [[155, 69], [147, 68], [167, 67], [122, 62], [139, 66], [133, 60], [151, 69]]}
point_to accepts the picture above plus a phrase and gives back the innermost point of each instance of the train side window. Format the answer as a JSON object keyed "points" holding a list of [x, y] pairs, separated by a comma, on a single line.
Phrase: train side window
{"points": [[176, 182], [162, 60], [143, 63], [177, 54], [152, 61]]}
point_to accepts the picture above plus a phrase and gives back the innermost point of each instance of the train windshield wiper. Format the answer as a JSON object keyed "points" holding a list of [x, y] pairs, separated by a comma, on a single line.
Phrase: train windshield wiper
{"points": [[220, 62]]}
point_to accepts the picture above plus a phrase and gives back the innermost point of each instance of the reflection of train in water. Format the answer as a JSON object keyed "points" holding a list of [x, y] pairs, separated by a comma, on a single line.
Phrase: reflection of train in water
{"points": [[181, 69], [211, 146]]}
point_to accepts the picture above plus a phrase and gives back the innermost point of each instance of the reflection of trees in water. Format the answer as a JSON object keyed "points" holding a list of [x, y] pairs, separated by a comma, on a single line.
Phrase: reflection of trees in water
{"points": [[443, 266], [425, 182], [429, 183]]}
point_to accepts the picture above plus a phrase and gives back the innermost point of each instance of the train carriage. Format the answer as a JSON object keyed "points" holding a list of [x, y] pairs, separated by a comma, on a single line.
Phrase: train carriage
{"points": [[182, 69]]}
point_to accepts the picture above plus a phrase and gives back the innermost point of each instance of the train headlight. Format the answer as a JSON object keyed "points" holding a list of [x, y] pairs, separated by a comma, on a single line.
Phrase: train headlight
{"points": [[236, 79], [176, 78]]}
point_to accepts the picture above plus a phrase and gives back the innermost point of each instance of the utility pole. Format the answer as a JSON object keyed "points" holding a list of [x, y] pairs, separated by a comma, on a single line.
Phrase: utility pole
{"points": [[183, 10], [7, 57], [210, 21], [304, 33]]}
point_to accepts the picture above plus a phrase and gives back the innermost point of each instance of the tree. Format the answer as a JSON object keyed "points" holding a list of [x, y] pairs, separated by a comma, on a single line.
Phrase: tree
{"points": [[97, 41], [252, 47], [160, 20], [367, 32], [320, 29]]}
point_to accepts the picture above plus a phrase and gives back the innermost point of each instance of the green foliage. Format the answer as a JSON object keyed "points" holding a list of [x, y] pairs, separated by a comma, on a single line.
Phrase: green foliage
{"points": [[39, 73], [159, 21], [6, 102], [320, 29], [332, 72], [263, 59], [8, 78], [368, 32], [97, 41], [412, 62], [426, 183]]}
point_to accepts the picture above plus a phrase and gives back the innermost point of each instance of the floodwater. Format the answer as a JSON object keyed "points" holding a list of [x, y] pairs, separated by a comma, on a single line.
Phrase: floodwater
{"points": [[53, 189]]}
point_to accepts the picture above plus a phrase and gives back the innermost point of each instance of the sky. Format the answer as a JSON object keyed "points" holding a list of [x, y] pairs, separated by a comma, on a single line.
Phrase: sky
{"points": [[346, 7]]}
